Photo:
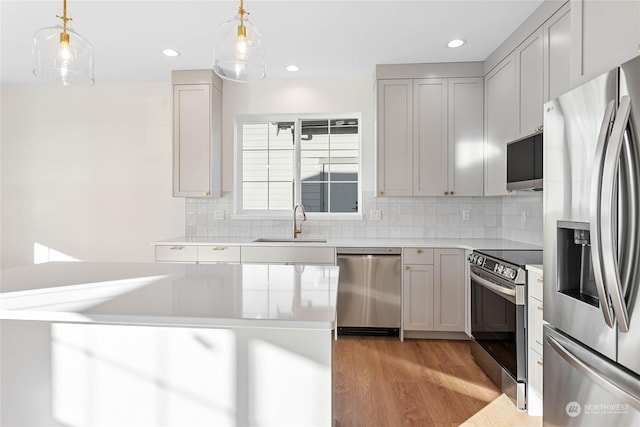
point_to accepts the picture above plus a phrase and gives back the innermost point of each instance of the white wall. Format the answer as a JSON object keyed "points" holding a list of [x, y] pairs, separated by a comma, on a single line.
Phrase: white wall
{"points": [[318, 95], [86, 171]]}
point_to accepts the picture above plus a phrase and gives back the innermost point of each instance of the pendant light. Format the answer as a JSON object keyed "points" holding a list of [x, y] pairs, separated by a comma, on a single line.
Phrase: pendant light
{"points": [[239, 50], [61, 55]]}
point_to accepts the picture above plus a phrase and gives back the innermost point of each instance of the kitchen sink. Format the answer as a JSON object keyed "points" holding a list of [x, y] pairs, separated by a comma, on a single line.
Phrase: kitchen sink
{"points": [[289, 240]]}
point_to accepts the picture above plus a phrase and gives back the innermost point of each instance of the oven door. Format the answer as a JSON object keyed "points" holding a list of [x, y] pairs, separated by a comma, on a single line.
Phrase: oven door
{"points": [[497, 321]]}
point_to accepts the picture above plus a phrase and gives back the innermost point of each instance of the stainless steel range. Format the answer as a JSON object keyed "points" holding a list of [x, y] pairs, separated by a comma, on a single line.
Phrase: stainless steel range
{"points": [[498, 313]]}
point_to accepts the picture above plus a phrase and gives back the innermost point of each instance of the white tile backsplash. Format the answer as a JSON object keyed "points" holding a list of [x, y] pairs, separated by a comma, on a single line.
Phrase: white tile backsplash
{"points": [[401, 217]]}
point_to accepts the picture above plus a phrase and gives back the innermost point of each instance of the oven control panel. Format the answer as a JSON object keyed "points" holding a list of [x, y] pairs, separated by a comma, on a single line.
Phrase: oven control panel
{"points": [[475, 259], [500, 269]]}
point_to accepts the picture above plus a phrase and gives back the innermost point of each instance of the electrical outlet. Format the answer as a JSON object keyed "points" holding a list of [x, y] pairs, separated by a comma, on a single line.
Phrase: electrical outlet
{"points": [[466, 214], [218, 214], [375, 215]]}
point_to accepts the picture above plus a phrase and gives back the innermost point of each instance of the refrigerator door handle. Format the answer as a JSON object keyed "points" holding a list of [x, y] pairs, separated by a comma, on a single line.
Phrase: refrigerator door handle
{"points": [[609, 236], [626, 396], [595, 222]]}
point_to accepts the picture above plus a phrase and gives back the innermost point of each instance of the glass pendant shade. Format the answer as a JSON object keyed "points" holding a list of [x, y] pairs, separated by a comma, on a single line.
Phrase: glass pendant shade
{"points": [[57, 61], [239, 51]]}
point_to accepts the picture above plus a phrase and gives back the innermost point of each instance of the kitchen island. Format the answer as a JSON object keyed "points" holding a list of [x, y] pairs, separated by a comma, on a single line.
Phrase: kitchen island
{"points": [[167, 344]]}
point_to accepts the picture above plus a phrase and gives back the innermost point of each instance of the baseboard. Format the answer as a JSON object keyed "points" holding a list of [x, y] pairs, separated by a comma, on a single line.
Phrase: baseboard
{"points": [[433, 335]]}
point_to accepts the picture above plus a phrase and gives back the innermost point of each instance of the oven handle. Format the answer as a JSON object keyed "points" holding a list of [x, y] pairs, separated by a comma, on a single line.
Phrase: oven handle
{"points": [[506, 293]]}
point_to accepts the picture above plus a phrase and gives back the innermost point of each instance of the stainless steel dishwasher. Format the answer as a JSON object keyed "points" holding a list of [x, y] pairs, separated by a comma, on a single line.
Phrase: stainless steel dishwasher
{"points": [[369, 289]]}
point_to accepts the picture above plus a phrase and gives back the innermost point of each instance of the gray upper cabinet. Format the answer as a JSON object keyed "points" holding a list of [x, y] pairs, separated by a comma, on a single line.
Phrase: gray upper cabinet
{"points": [[465, 134], [606, 34], [543, 69], [430, 137], [197, 133], [557, 53], [500, 114], [395, 137], [530, 75], [430, 131], [448, 125], [536, 70]]}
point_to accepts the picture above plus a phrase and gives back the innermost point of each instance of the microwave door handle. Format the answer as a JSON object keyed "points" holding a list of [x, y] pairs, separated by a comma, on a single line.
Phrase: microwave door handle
{"points": [[609, 199], [595, 227]]}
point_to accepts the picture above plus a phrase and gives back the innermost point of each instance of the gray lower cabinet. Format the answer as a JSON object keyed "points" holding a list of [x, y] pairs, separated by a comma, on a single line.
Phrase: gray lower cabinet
{"points": [[176, 253], [535, 335], [289, 255], [448, 292], [319, 255], [417, 307], [433, 290]]}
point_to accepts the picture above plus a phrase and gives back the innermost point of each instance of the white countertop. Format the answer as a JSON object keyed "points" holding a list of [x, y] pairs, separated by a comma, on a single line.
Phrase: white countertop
{"points": [[214, 295], [357, 242], [536, 268]]}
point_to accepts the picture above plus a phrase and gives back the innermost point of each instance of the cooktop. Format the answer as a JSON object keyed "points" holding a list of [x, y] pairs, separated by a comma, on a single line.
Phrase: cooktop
{"points": [[513, 256]]}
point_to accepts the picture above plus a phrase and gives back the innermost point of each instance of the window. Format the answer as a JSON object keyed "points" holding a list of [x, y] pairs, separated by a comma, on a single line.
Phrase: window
{"points": [[284, 160]]}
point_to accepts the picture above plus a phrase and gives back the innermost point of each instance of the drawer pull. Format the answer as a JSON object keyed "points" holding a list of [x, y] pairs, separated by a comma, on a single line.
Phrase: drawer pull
{"points": [[406, 267], [218, 248], [539, 362], [419, 251], [176, 248], [539, 308], [539, 280]]}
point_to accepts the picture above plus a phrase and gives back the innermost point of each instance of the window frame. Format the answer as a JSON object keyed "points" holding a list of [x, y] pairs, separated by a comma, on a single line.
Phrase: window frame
{"points": [[240, 213]]}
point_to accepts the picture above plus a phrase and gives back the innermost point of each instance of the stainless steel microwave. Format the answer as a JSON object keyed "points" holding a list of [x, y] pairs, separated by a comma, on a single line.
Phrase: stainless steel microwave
{"points": [[524, 163]]}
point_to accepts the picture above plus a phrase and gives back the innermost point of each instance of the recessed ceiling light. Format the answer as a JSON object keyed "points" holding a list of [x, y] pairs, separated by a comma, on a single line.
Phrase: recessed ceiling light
{"points": [[293, 68], [170, 52], [456, 43]]}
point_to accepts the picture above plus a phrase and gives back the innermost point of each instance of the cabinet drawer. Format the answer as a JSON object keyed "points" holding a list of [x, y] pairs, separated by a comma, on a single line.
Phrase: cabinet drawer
{"points": [[534, 383], [535, 284], [288, 255], [535, 324], [417, 255], [176, 253], [219, 253]]}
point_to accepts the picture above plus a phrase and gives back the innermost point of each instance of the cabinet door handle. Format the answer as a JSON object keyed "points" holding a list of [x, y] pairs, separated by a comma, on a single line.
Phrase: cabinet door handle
{"points": [[419, 251], [206, 194], [539, 362], [446, 193], [539, 308], [218, 248], [176, 248], [539, 280], [406, 267], [451, 192]]}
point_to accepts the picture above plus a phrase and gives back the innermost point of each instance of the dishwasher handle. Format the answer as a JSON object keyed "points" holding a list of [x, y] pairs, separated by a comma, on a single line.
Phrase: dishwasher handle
{"points": [[368, 251]]}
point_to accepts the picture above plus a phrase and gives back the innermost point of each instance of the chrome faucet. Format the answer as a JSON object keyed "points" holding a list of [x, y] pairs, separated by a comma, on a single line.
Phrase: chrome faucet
{"points": [[297, 230]]}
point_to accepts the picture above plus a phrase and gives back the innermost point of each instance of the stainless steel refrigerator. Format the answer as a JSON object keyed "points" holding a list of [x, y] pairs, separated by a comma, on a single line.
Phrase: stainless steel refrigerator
{"points": [[592, 252]]}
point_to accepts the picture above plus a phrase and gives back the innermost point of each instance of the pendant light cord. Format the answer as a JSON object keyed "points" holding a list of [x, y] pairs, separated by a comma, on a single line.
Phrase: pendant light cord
{"points": [[64, 37]]}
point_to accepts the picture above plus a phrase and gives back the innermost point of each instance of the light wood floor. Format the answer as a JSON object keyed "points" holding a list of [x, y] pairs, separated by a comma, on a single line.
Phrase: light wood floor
{"points": [[380, 382]]}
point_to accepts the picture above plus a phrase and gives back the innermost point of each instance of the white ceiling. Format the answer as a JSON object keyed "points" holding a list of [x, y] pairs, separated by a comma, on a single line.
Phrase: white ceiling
{"points": [[325, 38]]}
